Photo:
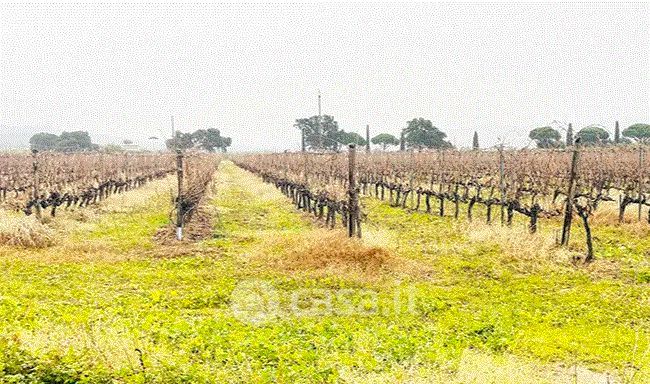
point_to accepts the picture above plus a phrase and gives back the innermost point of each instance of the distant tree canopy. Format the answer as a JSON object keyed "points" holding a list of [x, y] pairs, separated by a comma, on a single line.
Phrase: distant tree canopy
{"points": [[210, 140], [204, 139], [639, 132], [545, 137], [74, 142], [181, 140], [593, 135], [322, 133], [66, 142], [43, 141], [420, 133], [351, 137], [385, 140]]}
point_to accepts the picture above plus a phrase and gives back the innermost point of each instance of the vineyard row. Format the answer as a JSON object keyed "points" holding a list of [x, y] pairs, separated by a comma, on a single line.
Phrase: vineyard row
{"points": [[533, 183]]}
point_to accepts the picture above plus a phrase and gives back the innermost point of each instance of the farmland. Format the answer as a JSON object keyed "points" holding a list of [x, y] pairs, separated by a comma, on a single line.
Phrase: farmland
{"points": [[534, 184], [325, 192], [439, 294]]}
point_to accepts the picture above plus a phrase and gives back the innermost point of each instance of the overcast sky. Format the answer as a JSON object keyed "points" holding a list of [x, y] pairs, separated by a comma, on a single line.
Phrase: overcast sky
{"points": [[121, 71]]}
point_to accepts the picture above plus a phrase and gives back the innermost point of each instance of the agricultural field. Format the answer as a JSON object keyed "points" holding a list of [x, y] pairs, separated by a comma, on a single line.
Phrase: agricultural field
{"points": [[459, 268]]}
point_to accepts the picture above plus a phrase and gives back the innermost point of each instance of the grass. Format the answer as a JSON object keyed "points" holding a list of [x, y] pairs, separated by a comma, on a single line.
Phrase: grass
{"points": [[421, 299], [24, 231]]}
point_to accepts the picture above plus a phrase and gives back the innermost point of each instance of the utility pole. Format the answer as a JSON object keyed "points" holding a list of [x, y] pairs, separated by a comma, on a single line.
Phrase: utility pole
{"points": [[173, 142], [320, 128], [368, 138], [569, 135]]}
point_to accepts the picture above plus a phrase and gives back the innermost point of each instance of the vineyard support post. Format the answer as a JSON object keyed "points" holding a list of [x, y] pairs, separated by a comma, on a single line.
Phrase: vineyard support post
{"points": [[305, 167], [36, 181], [502, 186], [353, 196], [568, 210], [641, 158], [179, 199]]}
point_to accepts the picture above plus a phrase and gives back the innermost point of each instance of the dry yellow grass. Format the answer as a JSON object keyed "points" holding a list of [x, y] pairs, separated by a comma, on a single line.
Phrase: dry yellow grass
{"points": [[607, 214], [532, 253], [325, 252], [24, 231], [517, 243]]}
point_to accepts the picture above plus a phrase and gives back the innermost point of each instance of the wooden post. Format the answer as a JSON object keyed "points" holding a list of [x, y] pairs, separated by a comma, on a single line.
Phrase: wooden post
{"points": [[367, 138], [302, 137], [568, 210], [36, 193], [353, 197], [179, 199], [502, 185], [641, 155]]}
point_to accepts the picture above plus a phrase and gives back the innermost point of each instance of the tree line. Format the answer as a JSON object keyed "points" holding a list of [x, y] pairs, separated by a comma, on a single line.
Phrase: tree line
{"points": [[322, 133], [209, 140], [77, 141], [593, 135]]}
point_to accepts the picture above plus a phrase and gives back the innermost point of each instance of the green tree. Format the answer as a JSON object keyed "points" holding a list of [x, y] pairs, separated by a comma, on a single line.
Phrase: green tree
{"points": [[208, 139], [225, 143], [321, 132], [545, 137], [75, 142], [204, 139], [351, 137], [420, 133], [639, 132], [43, 141], [617, 134], [475, 145], [593, 135], [182, 141], [385, 140]]}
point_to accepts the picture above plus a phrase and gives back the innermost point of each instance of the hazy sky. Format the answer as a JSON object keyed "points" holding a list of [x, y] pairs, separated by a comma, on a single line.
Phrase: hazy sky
{"points": [[121, 71]]}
